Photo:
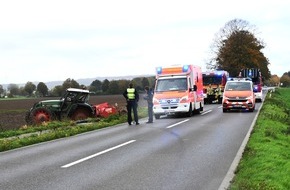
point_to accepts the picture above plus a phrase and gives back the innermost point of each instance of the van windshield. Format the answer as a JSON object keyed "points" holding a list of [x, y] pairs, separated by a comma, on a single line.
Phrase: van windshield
{"points": [[172, 84], [238, 86]]}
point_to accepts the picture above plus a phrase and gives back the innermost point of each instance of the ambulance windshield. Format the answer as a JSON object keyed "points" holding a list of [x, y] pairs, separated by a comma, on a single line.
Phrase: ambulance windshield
{"points": [[171, 84]]}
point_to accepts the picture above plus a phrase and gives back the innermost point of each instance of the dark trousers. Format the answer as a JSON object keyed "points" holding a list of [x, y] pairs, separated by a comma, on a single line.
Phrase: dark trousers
{"points": [[150, 112], [132, 105]]}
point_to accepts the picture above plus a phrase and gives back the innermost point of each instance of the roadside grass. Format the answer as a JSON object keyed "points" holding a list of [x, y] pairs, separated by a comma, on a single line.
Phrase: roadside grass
{"points": [[13, 111], [265, 164], [28, 135]]}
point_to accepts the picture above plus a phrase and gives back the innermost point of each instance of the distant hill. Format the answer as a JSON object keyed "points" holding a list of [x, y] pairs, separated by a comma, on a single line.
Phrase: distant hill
{"points": [[85, 81]]}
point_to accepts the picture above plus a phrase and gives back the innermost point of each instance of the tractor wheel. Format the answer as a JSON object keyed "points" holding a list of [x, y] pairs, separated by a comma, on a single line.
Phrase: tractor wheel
{"points": [[40, 115], [80, 114], [28, 119]]}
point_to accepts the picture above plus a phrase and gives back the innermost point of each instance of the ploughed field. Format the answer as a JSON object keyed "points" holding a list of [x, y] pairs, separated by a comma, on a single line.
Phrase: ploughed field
{"points": [[12, 112]]}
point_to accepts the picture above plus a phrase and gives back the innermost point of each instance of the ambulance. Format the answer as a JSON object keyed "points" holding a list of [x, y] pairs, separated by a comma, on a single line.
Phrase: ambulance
{"points": [[178, 90]]}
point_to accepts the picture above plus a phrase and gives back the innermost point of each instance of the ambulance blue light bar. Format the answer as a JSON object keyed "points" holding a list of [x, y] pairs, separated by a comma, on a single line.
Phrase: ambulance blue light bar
{"points": [[159, 70], [173, 69], [185, 68]]}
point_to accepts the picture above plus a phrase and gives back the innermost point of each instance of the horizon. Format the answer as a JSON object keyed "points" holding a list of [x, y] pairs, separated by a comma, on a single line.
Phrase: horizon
{"points": [[117, 38]]}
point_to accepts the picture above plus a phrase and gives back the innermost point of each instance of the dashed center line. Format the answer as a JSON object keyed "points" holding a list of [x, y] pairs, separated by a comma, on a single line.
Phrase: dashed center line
{"points": [[206, 112], [97, 154], [177, 123]]}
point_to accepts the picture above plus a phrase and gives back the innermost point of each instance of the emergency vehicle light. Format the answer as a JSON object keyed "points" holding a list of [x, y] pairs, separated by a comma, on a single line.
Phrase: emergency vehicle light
{"points": [[250, 73], [219, 72], [185, 68], [173, 70], [159, 70]]}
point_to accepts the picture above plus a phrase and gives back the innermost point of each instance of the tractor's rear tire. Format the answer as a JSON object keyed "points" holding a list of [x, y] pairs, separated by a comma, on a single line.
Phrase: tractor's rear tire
{"points": [[80, 114], [39, 115]]}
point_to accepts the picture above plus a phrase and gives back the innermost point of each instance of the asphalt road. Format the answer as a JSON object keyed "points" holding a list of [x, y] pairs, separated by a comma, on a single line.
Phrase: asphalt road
{"points": [[172, 153]]}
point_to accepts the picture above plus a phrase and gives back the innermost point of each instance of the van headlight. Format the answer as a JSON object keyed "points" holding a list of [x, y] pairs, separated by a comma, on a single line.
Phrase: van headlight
{"points": [[249, 98], [225, 98]]}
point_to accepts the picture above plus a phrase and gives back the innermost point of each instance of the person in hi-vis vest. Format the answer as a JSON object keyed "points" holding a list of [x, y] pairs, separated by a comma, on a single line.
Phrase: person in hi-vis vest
{"points": [[132, 98]]}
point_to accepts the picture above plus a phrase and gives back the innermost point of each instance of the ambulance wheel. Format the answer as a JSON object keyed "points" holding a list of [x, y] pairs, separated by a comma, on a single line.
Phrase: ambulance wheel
{"points": [[157, 116], [201, 108], [224, 110], [189, 113]]}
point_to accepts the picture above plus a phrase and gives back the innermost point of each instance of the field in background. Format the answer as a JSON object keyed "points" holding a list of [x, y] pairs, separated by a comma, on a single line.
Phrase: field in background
{"points": [[12, 112]]}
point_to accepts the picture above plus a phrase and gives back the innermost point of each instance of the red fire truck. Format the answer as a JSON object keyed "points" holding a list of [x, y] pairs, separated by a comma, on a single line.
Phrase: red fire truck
{"points": [[213, 85], [256, 77]]}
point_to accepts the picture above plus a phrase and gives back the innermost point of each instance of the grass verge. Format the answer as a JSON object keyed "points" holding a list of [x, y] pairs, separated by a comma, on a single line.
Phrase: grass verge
{"points": [[29, 135], [265, 163]]}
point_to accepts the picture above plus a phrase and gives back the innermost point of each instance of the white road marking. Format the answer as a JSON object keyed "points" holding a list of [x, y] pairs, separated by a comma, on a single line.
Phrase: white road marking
{"points": [[220, 106], [177, 123], [97, 154], [208, 111]]}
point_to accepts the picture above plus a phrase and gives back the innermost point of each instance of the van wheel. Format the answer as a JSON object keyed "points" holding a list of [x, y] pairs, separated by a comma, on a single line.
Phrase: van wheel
{"points": [[251, 110], [224, 110]]}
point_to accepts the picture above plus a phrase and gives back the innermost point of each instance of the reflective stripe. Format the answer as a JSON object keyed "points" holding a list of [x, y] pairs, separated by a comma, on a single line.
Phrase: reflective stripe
{"points": [[131, 93]]}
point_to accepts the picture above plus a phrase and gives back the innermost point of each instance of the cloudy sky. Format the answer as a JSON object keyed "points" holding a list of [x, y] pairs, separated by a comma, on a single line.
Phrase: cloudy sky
{"points": [[59, 39]]}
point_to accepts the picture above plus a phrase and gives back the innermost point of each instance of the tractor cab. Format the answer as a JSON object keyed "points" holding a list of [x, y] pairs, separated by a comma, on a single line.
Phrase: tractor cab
{"points": [[74, 96]]}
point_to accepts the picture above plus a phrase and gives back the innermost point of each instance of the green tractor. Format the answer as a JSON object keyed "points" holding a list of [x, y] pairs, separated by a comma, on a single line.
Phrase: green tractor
{"points": [[73, 105]]}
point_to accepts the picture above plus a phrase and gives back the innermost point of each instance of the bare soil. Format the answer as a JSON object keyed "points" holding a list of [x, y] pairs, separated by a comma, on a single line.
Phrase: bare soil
{"points": [[12, 112]]}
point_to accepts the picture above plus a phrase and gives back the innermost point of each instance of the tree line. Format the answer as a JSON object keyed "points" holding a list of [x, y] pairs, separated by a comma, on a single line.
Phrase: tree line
{"points": [[96, 87], [285, 79]]}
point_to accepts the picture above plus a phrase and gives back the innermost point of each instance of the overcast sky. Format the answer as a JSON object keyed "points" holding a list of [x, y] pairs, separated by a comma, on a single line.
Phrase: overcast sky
{"points": [[59, 39]]}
